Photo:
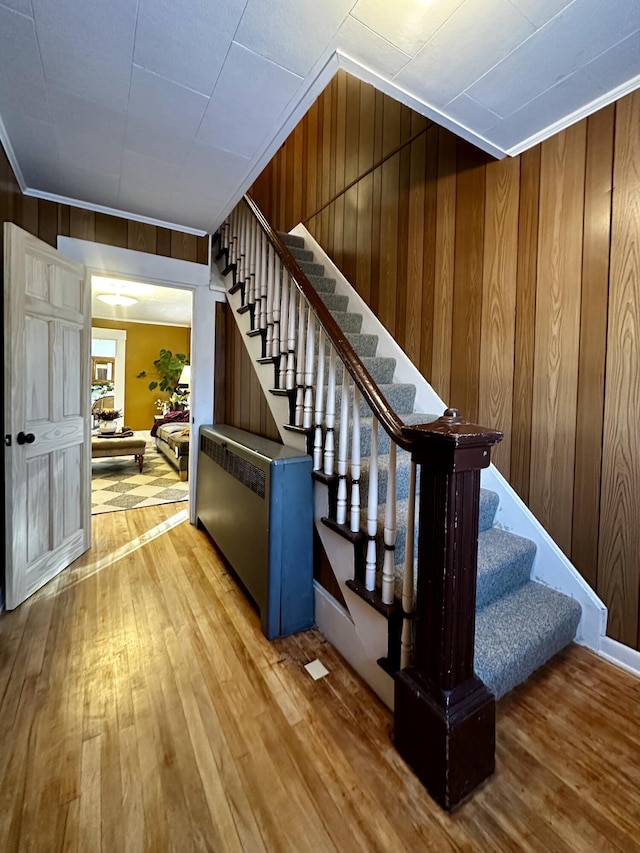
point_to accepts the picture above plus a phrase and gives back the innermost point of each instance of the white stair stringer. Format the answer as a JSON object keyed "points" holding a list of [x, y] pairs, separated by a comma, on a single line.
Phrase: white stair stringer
{"points": [[551, 567]]}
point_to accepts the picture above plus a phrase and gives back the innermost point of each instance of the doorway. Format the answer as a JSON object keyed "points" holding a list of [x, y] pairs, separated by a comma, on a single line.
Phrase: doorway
{"points": [[141, 353]]}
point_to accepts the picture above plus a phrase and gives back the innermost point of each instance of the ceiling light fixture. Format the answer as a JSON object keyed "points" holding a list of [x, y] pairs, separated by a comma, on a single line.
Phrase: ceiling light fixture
{"points": [[117, 299]]}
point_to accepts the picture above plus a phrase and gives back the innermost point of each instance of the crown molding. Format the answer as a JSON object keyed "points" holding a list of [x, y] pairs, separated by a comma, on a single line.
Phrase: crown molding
{"points": [[11, 156], [112, 211]]}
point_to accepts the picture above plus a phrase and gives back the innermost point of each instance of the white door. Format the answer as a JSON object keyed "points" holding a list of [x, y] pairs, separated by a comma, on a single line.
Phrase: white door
{"points": [[46, 404]]}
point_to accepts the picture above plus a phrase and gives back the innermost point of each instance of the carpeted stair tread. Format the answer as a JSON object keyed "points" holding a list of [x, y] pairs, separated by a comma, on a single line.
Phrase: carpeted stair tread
{"points": [[504, 563], [291, 240], [519, 632], [348, 321], [334, 301], [364, 345], [322, 283], [300, 254], [380, 368], [399, 396], [311, 268]]}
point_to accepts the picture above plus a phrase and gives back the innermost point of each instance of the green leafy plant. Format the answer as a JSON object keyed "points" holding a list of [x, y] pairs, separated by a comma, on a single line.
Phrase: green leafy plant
{"points": [[168, 368]]}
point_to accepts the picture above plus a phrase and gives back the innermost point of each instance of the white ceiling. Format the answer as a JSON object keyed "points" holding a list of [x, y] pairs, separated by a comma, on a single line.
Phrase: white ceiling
{"points": [[168, 306], [167, 109]]}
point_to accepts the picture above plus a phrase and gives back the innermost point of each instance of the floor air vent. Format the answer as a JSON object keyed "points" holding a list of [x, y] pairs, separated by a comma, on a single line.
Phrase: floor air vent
{"points": [[255, 499]]}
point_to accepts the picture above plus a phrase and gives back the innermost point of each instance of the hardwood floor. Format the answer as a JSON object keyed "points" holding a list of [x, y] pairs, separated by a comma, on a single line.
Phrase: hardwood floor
{"points": [[142, 709]]}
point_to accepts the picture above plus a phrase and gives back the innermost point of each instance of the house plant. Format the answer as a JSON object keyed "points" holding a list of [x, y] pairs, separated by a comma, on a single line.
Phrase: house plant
{"points": [[168, 367]]}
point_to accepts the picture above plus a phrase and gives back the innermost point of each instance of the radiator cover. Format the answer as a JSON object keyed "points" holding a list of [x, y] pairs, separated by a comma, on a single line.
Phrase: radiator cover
{"points": [[255, 499]]}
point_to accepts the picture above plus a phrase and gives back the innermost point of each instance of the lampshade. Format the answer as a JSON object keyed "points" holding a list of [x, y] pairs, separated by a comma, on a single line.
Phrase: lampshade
{"points": [[185, 376]]}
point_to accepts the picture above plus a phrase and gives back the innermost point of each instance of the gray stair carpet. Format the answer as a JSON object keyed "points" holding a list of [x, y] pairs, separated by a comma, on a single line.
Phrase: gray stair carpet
{"points": [[520, 623]]}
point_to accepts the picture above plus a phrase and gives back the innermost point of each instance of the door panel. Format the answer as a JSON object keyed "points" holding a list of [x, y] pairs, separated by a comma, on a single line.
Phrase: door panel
{"points": [[47, 339]]}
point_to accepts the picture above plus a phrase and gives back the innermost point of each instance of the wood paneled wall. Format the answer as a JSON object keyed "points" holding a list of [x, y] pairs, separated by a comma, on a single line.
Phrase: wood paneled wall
{"points": [[513, 285], [242, 404]]}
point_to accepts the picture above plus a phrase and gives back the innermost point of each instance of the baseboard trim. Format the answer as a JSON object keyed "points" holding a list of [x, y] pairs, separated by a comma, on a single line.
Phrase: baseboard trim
{"points": [[623, 656]]}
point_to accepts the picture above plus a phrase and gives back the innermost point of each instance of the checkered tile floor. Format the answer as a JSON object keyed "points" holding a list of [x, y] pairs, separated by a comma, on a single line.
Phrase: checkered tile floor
{"points": [[117, 484]]}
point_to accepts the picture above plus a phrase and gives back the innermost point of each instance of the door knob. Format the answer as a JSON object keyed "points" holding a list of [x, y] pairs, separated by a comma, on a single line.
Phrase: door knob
{"points": [[25, 438]]}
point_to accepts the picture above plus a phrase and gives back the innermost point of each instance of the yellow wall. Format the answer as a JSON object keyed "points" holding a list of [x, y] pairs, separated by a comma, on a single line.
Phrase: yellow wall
{"points": [[144, 343]]}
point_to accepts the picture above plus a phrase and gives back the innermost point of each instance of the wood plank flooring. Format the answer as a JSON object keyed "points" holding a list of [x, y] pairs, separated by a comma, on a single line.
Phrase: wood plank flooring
{"points": [[141, 709]]}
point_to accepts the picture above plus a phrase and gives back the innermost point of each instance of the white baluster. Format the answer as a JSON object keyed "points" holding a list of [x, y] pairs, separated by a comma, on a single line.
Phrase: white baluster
{"points": [[241, 248], [264, 275], [300, 362], [372, 510], [234, 236], [275, 337], [355, 463], [268, 345], [406, 643], [291, 338], [330, 419], [341, 508], [307, 414], [388, 566], [317, 437], [284, 325]]}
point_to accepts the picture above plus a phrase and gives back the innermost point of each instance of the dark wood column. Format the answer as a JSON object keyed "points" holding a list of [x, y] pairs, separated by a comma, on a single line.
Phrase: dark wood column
{"points": [[444, 724]]}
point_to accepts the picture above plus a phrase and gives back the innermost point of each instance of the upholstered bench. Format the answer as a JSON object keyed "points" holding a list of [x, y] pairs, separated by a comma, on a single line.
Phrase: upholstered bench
{"points": [[174, 446], [130, 445]]}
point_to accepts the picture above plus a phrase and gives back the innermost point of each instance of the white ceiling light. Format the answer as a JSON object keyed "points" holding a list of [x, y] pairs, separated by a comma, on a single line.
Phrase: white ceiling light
{"points": [[117, 299]]}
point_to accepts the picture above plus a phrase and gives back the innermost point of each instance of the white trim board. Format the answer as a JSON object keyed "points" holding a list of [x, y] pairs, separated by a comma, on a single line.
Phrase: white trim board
{"points": [[620, 655], [157, 269]]}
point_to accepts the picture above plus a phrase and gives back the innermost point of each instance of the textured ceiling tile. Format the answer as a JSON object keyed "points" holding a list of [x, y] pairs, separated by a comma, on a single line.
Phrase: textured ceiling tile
{"points": [[186, 41], [261, 87], [543, 111], [146, 171], [370, 49], [88, 134], [572, 39], [211, 170], [22, 6], [35, 141], [540, 11], [164, 103], [473, 39], [88, 185], [22, 85], [293, 34], [144, 138], [87, 47], [408, 24], [469, 113], [616, 65]]}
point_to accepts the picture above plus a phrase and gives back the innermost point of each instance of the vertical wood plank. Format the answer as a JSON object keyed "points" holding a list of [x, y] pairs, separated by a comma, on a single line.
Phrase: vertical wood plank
{"points": [[310, 167], [593, 342], [403, 228], [364, 226], [389, 211], [47, 221], [497, 340], [220, 375], [82, 223], [416, 250], [111, 230], [467, 297], [619, 546], [141, 237], [444, 265], [183, 246], [527, 275], [163, 242], [555, 377], [340, 133], [427, 332]]}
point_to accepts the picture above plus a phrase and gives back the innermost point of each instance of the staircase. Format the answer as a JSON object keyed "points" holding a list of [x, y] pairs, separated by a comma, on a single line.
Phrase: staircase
{"points": [[520, 623], [436, 641]]}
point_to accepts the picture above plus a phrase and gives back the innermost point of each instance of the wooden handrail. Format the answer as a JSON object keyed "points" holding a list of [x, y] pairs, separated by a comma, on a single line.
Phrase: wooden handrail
{"points": [[369, 389]]}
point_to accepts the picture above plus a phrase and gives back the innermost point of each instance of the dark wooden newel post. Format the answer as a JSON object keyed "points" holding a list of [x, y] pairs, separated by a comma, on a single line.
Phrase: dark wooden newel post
{"points": [[444, 724]]}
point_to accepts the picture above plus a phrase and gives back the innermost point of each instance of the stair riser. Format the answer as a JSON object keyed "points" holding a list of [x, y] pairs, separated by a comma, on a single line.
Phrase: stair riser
{"points": [[400, 398], [381, 370], [364, 345]]}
